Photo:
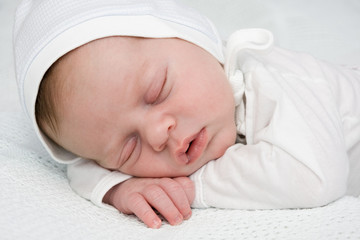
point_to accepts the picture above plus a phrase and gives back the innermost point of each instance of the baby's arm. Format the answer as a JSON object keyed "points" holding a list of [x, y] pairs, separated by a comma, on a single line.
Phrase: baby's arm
{"points": [[295, 155], [264, 176], [139, 196], [307, 169]]}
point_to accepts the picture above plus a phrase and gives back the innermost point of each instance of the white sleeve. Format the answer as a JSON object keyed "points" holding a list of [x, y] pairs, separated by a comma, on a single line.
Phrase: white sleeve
{"points": [[295, 155], [92, 181]]}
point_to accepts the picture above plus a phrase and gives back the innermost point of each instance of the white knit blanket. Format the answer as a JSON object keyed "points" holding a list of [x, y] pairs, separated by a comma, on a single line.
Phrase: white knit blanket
{"points": [[37, 203]]}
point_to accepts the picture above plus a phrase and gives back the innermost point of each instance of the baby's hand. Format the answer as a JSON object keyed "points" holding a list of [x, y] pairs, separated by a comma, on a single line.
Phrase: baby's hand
{"points": [[171, 197]]}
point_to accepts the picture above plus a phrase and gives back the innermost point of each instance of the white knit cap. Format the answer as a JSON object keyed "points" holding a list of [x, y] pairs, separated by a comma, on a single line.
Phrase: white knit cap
{"points": [[45, 30]]}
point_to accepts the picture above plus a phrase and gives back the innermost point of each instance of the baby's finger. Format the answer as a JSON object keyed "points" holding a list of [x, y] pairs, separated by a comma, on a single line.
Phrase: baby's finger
{"points": [[188, 186], [159, 199], [141, 208], [178, 195]]}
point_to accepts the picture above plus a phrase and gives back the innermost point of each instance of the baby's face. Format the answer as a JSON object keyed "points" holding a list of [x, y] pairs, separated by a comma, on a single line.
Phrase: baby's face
{"points": [[145, 107]]}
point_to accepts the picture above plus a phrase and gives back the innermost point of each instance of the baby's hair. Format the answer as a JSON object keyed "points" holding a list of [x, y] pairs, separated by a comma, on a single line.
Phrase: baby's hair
{"points": [[48, 102], [46, 107]]}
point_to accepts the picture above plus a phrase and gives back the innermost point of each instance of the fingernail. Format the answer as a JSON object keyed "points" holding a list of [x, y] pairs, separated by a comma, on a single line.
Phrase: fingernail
{"points": [[156, 223], [187, 216], [178, 220]]}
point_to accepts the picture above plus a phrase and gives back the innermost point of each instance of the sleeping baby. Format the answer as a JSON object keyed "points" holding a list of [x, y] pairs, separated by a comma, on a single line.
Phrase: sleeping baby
{"points": [[152, 114]]}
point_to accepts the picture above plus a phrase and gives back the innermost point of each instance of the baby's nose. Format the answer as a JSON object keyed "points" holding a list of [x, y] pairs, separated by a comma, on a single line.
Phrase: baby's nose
{"points": [[158, 130]]}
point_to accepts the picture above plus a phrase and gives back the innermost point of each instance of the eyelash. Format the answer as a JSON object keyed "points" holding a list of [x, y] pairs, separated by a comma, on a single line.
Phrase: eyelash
{"points": [[157, 97], [129, 148]]}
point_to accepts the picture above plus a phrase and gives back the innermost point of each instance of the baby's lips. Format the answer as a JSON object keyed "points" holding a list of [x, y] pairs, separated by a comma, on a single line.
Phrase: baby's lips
{"points": [[182, 158], [197, 146], [192, 147]]}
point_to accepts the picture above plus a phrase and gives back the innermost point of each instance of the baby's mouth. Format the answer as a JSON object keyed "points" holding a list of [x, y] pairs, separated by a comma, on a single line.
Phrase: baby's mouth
{"points": [[194, 148], [188, 147]]}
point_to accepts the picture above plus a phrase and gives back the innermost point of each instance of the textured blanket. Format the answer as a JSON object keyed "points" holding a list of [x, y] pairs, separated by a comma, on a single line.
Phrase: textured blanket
{"points": [[37, 203]]}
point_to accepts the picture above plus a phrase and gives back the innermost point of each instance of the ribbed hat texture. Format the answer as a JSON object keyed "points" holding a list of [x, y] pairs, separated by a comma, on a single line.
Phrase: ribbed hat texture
{"points": [[45, 30]]}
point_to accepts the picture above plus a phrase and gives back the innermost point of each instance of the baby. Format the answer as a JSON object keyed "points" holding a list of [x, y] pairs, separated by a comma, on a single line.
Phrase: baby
{"points": [[138, 99]]}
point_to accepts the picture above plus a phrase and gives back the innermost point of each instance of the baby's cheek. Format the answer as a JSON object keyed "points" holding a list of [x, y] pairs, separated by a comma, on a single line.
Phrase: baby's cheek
{"points": [[104, 164], [227, 139]]}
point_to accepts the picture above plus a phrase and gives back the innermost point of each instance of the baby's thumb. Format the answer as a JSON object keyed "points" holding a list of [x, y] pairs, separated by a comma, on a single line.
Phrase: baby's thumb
{"points": [[188, 186]]}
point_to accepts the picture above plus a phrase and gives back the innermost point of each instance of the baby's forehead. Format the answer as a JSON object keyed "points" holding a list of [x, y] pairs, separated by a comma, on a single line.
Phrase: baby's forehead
{"points": [[125, 56], [101, 45], [95, 57]]}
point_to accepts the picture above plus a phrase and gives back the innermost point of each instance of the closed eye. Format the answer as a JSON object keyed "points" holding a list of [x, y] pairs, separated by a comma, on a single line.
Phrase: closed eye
{"points": [[128, 149], [156, 93]]}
